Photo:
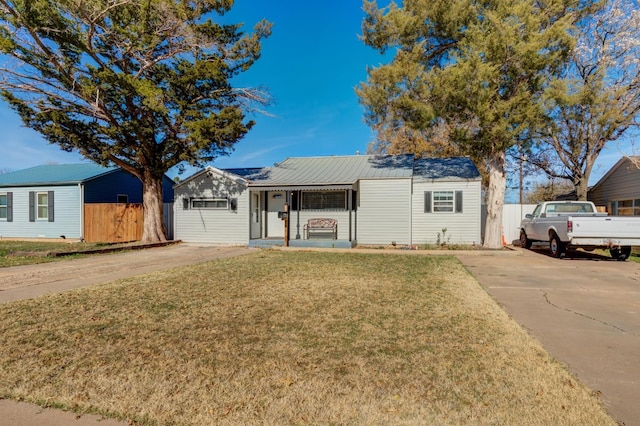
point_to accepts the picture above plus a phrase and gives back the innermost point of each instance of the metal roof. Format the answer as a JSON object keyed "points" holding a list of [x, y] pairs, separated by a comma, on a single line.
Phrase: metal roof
{"points": [[54, 174], [451, 168], [245, 171], [334, 170]]}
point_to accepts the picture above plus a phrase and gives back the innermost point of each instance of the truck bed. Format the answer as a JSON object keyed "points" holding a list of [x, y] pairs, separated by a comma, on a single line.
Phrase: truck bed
{"points": [[604, 231]]}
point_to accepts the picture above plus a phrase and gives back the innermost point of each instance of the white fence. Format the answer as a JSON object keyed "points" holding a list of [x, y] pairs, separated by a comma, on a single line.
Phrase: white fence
{"points": [[512, 214]]}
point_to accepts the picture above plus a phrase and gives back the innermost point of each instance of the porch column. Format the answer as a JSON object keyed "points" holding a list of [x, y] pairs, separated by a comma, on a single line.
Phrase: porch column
{"points": [[298, 195], [266, 213], [350, 207]]}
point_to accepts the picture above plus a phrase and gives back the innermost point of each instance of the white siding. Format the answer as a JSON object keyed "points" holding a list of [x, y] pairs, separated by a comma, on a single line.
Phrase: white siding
{"points": [[384, 211], [225, 227], [66, 214], [461, 228]]}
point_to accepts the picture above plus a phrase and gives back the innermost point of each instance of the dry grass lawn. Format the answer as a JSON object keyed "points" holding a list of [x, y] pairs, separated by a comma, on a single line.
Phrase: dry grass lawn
{"points": [[278, 338], [24, 252]]}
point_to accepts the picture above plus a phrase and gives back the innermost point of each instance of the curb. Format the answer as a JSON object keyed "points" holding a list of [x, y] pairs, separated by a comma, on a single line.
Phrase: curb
{"points": [[139, 246], [507, 251]]}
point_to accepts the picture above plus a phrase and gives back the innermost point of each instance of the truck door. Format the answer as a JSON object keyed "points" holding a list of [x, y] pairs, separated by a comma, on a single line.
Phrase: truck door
{"points": [[533, 228]]}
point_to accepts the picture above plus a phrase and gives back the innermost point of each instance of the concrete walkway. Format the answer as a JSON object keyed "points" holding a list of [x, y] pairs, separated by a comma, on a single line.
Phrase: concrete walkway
{"points": [[26, 282], [584, 309]]}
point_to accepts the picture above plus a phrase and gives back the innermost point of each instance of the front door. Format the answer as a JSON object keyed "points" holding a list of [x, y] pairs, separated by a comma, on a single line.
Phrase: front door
{"points": [[275, 204], [255, 215]]}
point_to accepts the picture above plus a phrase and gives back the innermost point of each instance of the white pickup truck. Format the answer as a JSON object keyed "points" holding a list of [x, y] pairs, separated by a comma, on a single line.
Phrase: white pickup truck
{"points": [[577, 224]]}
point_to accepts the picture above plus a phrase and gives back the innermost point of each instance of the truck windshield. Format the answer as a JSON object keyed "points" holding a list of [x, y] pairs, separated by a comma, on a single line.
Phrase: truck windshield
{"points": [[569, 208]]}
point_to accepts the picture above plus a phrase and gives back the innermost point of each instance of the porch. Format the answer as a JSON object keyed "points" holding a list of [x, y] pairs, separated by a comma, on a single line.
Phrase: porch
{"points": [[312, 243], [304, 205]]}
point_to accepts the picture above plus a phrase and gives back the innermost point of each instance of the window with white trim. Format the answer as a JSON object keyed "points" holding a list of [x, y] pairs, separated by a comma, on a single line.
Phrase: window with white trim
{"points": [[4, 204], [42, 206], [443, 201], [324, 200], [210, 203]]}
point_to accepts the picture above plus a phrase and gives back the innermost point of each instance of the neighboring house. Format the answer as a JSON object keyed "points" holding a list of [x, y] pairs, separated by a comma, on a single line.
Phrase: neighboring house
{"points": [[619, 189], [49, 201], [374, 200]]}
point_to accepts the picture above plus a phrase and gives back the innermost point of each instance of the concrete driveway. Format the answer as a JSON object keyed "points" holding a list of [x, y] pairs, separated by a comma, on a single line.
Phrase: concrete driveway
{"points": [[25, 282], [584, 309]]}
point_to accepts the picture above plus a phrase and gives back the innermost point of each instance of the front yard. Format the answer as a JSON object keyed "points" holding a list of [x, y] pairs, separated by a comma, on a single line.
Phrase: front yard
{"points": [[289, 338], [28, 252]]}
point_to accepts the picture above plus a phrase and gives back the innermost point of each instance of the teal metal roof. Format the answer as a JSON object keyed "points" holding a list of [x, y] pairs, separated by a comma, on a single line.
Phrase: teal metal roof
{"points": [[54, 174]]}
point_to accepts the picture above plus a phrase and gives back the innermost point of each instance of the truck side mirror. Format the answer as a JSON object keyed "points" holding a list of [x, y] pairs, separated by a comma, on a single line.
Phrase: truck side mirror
{"points": [[528, 216]]}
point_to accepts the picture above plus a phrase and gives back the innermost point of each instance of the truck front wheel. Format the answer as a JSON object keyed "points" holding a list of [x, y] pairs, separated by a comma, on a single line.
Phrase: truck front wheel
{"points": [[556, 246], [524, 241]]}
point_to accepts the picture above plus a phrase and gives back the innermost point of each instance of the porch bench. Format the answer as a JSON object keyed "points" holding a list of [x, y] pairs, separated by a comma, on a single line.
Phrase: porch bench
{"points": [[321, 228]]}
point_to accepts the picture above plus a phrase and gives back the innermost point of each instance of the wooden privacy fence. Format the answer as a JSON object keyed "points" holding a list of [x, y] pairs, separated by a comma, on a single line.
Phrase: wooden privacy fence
{"points": [[112, 223]]}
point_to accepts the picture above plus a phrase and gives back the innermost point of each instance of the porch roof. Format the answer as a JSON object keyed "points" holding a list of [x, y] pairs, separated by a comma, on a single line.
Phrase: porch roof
{"points": [[301, 187], [335, 172]]}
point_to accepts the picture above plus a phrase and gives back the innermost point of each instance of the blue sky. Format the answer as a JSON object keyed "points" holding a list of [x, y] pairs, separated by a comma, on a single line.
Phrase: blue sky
{"points": [[310, 65]]}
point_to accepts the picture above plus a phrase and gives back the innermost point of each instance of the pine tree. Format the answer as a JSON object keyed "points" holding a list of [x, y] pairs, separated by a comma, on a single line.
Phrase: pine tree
{"points": [[144, 85], [479, 66]]}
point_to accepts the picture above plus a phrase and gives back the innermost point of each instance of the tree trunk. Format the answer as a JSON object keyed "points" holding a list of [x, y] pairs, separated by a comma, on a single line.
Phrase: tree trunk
{"points": [[495, 194], [154, 229], [581, 188]]}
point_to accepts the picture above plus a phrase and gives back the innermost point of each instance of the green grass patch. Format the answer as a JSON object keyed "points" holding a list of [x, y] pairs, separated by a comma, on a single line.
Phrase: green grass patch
{"points": [[17, 253], [279, 338]]}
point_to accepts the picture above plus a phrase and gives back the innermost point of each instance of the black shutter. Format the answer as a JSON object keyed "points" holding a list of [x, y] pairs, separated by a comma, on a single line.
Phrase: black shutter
{"points": [[458, 201], [50, 205], [185, 204], [32, 206], [427, 201], [9, 206]]}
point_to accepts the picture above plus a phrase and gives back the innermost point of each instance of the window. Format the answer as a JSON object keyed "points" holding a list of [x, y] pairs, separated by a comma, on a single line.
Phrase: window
{"points": [[443, 202], [6, 206], [3, 206], [536, 212], [210, 203], [324, 200], [123, 199], [627, 208], [43, 206]]}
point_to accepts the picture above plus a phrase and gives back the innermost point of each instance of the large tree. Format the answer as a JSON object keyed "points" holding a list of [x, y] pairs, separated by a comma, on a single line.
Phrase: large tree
{"points": [[597, 98], [145, 85], [477, 65]]}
